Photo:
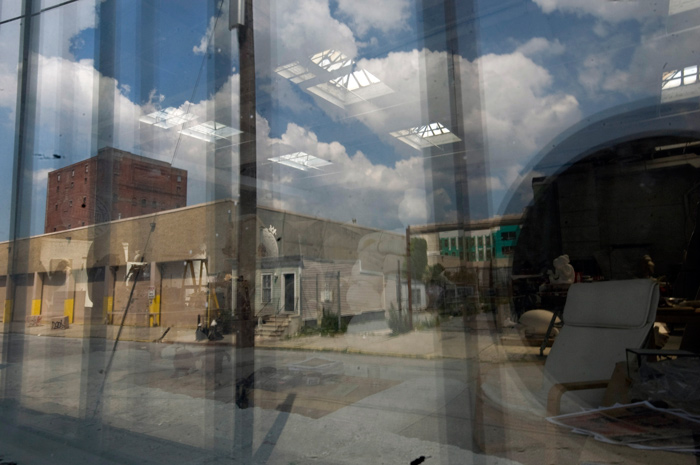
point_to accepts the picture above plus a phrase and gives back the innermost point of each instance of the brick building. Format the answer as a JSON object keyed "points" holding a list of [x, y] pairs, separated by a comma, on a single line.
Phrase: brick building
{"points": [[110, 186]]}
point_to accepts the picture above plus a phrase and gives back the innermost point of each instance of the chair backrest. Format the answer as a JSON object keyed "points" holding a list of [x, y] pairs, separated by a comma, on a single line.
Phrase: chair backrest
{"points": [[601, 321]]}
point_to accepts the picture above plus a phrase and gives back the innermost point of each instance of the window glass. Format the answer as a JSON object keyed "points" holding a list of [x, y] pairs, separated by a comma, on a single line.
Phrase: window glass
{"points": [[266, 288], [333, 231]]}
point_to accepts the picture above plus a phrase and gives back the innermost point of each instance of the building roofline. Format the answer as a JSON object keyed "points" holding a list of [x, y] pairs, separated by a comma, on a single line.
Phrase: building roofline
{"points": [[124, 154], [201, 205], [505, 220], [105, 151]]}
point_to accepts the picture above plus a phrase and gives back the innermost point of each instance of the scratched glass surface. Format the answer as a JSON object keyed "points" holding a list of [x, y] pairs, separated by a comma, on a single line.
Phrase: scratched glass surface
{"points": [[344, 231]]}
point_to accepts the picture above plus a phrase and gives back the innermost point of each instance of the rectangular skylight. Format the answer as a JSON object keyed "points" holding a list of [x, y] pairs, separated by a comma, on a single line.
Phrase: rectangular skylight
{"points": [[301, 161], [168, 118], [680, 84], [430, 135], [331, 60], [210, 131], [356, 80], [295, 72], [676, 78], [358, 86]]}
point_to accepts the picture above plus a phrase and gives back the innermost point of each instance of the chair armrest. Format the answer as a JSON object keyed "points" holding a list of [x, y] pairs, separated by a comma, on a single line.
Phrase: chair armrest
{"points": [[558, 390]]}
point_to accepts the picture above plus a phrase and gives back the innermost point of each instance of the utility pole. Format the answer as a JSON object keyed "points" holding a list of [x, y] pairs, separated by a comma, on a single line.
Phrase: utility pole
{"points": [[241, 18]]}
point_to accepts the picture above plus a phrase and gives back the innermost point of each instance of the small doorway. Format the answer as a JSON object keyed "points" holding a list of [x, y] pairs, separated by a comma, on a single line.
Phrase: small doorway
{"points": [[289, 296]]}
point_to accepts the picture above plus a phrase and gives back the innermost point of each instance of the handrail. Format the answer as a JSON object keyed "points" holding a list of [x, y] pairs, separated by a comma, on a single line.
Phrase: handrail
{"points": [[267, 305], [263, 308]]}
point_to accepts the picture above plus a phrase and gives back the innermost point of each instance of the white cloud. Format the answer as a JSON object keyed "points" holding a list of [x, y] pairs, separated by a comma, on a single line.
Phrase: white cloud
{"points": [[66, 109], [59, 26], [414, 207], [286, 31], [72, 96], [633, 70], [486, 184], [385, 16], [521, 109], [40, 175], [79, 110], [302, 28], [401, 71], [601, 28], [355, 170], [201, 49], [541, 46], [66, 106], [352, 187], [611, 11]]}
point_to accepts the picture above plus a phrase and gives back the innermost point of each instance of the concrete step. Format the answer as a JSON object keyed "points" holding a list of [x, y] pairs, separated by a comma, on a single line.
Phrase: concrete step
{"points": [[274, 327], [268, 327]]}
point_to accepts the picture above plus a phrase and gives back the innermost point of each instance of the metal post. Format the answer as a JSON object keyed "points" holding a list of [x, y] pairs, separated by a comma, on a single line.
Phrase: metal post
{"points": [[318, 304], [338, 300], [398, 283], [408, 277]]}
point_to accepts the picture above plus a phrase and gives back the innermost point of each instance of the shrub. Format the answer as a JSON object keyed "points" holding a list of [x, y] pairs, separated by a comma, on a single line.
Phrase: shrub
{"points": [[309, 330], [329, 324], [398, 323]]}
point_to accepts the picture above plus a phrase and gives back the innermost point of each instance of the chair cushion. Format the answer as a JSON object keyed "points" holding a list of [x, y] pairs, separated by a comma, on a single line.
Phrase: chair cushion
{"points": [[536, 322], [612, 304]]}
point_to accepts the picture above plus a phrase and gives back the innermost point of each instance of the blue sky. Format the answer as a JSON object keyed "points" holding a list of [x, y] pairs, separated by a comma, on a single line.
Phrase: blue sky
{"points": [[542, 67]]}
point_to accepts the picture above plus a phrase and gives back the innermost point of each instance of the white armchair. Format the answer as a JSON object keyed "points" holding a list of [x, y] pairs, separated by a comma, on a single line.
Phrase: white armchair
{"points": [[601, 320]]}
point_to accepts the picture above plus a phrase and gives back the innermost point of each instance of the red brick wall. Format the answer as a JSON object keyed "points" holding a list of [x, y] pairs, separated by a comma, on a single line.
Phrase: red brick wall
{"points": [[70, 196], [119, 184]]}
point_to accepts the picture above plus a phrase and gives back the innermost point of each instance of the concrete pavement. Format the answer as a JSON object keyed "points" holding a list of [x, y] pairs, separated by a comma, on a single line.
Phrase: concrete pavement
{"points": [[479, 339], [148, 413], [400, 397]]}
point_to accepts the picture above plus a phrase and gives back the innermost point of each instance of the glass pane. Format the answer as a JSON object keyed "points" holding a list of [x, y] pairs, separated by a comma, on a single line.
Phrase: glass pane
{"points": [[343, 232], [10, 10], [9, 35]]}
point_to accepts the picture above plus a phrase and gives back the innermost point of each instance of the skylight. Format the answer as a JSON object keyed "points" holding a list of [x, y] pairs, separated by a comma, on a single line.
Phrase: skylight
{"points": [[328, 60], [168, 118], [430, 135], [331, 60], [680, 84], [358, 86], [350, 88], [356, 80], [676, 78], [295, 72], [210, 131], [301, 161]]}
